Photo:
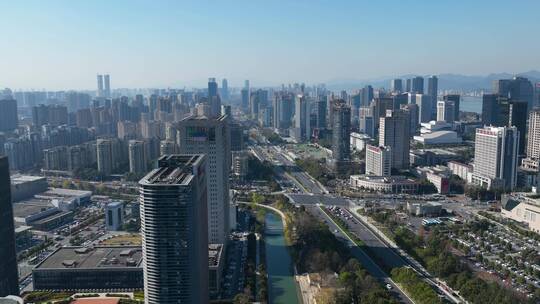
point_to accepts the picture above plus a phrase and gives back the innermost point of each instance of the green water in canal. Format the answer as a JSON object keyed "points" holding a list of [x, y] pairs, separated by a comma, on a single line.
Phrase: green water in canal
{"points": [[281, 284]]}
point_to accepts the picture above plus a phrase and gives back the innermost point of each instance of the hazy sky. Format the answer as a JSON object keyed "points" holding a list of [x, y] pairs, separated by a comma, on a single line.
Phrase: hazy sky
{"points": [[64, 44]]}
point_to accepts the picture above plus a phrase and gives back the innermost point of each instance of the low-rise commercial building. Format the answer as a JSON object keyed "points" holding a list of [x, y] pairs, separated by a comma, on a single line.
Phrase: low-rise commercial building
{"points": [[437, 175], [98, 268], [431, 157], [107, 268], [386, 184], [424, 209], [66, 199], [26, 186], [439, 138], [441, 182], [460, 169]]}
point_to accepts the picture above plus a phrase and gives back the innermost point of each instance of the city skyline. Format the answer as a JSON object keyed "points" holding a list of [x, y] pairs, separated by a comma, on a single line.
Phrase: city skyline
{"points": [[172, 44]]}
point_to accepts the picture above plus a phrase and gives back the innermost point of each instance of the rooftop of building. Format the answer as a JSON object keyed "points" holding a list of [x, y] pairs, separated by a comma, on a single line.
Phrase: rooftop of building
{"points": [[459, 163], [21, 228], [360, 135], [21, 179], [175, 169], [432, 204], [385, 179], [96, 257], [203, 118], [52, 217], [64, 193], [435, 151], [523, 197], [438, 134], [31, 206], [115, 204]]}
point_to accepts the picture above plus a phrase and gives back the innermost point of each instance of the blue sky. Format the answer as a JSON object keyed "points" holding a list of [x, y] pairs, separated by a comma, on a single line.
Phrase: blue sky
{"points": [[64, 44]]}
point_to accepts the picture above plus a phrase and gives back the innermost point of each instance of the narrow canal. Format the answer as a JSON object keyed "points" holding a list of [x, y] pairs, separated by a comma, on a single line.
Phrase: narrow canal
{"points": [[281, 284]]}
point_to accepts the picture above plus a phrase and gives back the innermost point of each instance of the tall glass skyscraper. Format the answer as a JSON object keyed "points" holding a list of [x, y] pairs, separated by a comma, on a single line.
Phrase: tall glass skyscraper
{"points": [[174, 231], [9, 282]]}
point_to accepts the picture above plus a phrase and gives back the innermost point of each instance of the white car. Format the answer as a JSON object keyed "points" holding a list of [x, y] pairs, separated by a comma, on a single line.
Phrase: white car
{"points": [[388, 286]]}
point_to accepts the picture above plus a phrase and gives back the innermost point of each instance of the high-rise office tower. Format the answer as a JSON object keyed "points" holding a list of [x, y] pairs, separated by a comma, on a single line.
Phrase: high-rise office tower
{"points": [[198, 135], [396, 86], [9, 281], [276, 106], [517, 117], [533, 143], [100, 86], [107, 91], [394, 133], [237, 137], [245, 98], [412, 110], [246, 84], [213, 98], [496, 157], [517, 88], [417, 85], [366, 122], [104, 156], [400, 100], [532, 161], [283, 109], [408, 85], [173, 204], [322, 109], [454, 98], [225, 89], [424, 107], [490, 108], [341, 134], [212, 87], [433, 85], [258, 101], [138, 157], [8, 115], [378, 161], [367, 95], [301, 131], [502, 111], [445, 111], [379, 107]]}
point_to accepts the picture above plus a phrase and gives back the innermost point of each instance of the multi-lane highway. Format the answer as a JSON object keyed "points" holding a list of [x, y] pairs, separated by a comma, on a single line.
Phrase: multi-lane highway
{"points": [[390, 256], [358, 253], [311, 194], [286, 169]]}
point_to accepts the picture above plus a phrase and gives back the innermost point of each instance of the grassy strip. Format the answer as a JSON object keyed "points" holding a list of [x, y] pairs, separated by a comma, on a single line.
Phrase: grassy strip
{"points": [[345, 228], [418, 289]]}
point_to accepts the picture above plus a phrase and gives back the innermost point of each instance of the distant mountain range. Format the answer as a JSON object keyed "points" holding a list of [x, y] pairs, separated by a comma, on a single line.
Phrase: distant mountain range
{"points": [[446, 81]]}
